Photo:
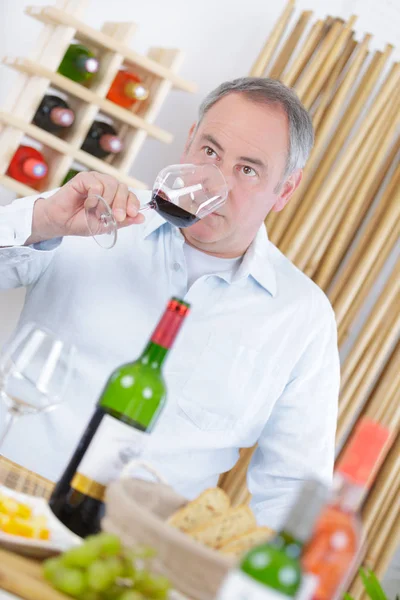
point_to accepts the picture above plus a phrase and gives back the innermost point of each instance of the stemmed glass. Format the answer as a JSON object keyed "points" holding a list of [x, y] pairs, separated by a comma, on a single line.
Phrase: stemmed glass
{"points": [[182, 194], [34, 372]]}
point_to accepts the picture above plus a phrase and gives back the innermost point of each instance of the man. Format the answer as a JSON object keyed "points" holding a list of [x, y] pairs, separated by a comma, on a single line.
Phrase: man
{"points": [[257, 359]]}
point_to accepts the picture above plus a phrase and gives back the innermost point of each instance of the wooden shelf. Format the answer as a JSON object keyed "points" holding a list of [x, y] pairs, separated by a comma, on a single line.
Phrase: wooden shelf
{"points": [[55, 16], [16, 186], [61, 26], [63, 147], [24, 65]]}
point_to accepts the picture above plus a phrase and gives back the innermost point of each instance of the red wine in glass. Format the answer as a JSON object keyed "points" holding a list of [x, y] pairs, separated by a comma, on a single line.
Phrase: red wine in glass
{"points": [[182, 194], [171, 212]]}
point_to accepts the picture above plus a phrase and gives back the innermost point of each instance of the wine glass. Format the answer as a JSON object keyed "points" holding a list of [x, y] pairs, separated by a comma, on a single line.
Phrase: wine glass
{"points": [[182, 194], [34, 372]]}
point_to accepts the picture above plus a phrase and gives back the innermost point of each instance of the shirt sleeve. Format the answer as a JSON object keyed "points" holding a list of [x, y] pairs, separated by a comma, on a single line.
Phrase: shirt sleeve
{"points": [[22, 265], [298, 441]]}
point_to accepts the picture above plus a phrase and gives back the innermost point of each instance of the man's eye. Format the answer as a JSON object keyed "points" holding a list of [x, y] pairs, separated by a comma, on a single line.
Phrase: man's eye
{"points": [[249, 171], [209, 151]]}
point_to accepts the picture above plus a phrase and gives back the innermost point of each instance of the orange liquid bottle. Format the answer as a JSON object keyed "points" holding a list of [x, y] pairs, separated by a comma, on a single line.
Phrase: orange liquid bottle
{"points": [[332, 553], [127, 89]]}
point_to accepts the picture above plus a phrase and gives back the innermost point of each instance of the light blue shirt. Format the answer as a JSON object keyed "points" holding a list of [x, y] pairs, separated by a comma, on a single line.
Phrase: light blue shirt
{"points": [[256, 361]]}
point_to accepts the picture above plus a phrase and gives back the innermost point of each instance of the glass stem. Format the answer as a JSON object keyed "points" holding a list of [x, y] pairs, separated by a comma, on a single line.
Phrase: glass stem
{"points": [[11, 417], [148, 206]]}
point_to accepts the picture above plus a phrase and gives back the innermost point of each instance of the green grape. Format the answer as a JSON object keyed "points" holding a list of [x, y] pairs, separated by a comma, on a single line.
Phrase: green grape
{"points": [[130, 595], [129, 567], [91, 595], [70, 581], [50, 568], [111, 593], [160, 587], [155, 586], [81, 556], [116, 565], [100, 576], [109, 543]]}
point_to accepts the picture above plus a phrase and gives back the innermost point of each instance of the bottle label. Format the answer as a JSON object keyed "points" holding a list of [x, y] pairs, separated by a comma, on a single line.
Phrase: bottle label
{"points": [[239, 586], [113, 445], [309, 583]]}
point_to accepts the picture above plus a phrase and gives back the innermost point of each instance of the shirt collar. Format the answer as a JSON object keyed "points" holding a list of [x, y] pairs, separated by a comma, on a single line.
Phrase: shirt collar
{"points": [[256, 262], [153, 222]]}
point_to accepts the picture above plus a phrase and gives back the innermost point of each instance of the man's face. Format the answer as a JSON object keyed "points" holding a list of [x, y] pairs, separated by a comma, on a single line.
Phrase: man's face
{"points": [[249, 143]]}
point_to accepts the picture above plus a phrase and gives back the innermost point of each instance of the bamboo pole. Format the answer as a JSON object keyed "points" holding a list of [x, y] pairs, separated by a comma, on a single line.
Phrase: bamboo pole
{"points": [[285, 54], [322, 74], [315, 37], [310, 73], [337, 210], [366, 286], [384, 402], [273, 40], [358, 206], [234, 482], [341, 286], [328, 92], [376, 545], [382, 488], [278, 223], [389, 221], [354, 395], [300, 229], [355, 392], [377, 542], [388, 550], [386, 298]]}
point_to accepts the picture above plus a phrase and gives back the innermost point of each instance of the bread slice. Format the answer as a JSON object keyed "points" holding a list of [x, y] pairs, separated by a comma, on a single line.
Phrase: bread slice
{"points": [[242, 543], [234, 522], [211, 503]]}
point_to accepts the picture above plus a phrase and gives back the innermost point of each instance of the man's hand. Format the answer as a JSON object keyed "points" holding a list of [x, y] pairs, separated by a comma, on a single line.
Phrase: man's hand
{"points": [[63, 213]]}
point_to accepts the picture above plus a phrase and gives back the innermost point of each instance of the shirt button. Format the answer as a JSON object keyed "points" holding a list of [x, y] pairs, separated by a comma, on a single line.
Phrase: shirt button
{"points": [[176, 266]]}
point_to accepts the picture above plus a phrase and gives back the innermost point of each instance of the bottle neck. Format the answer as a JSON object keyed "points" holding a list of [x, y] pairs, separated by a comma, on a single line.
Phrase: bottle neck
{"points": [[153, 356], [164, 334], [347, 495], [286, 542], [86, 64]]}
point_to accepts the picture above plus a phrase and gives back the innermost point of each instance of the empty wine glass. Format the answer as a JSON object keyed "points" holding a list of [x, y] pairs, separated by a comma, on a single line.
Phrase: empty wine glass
{"points": [[34, 372], [182, 194]]}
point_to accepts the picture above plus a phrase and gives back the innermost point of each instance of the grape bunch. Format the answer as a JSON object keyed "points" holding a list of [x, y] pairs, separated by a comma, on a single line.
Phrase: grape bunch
{"points": [[101, 569]]}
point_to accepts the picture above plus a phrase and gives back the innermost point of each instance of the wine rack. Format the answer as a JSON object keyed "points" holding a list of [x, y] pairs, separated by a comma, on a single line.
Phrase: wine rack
{"points": [[62, 25]]}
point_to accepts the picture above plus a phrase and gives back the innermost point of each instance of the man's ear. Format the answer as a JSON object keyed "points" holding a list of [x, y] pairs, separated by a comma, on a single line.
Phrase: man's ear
{"points": [[290, 185], [189, 138]]}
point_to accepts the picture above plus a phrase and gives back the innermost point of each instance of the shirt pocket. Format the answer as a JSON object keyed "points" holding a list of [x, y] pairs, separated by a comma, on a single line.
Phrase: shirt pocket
{"points": [[218, 393]]}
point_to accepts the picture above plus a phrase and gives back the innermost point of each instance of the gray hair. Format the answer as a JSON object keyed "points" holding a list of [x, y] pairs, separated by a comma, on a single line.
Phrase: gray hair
{"points": [[270, 91]]}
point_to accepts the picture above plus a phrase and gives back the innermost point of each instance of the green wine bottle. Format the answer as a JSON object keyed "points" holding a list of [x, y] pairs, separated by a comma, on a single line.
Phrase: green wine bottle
{"points": [[128, 408], [79, 63], [272, 571], [71, 173]]}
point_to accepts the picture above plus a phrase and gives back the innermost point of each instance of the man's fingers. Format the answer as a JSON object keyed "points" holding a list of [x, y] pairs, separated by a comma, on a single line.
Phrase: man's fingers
{"points": [[138, 220], [119, 202], [133, 205]]}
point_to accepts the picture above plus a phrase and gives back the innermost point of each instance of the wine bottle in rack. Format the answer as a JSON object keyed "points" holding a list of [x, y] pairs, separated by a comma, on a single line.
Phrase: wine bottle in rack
{"points": [[28, 166], [53, 114], [129, 407], [71, 173], [102, 140], [127, 89], [79, 63]]}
